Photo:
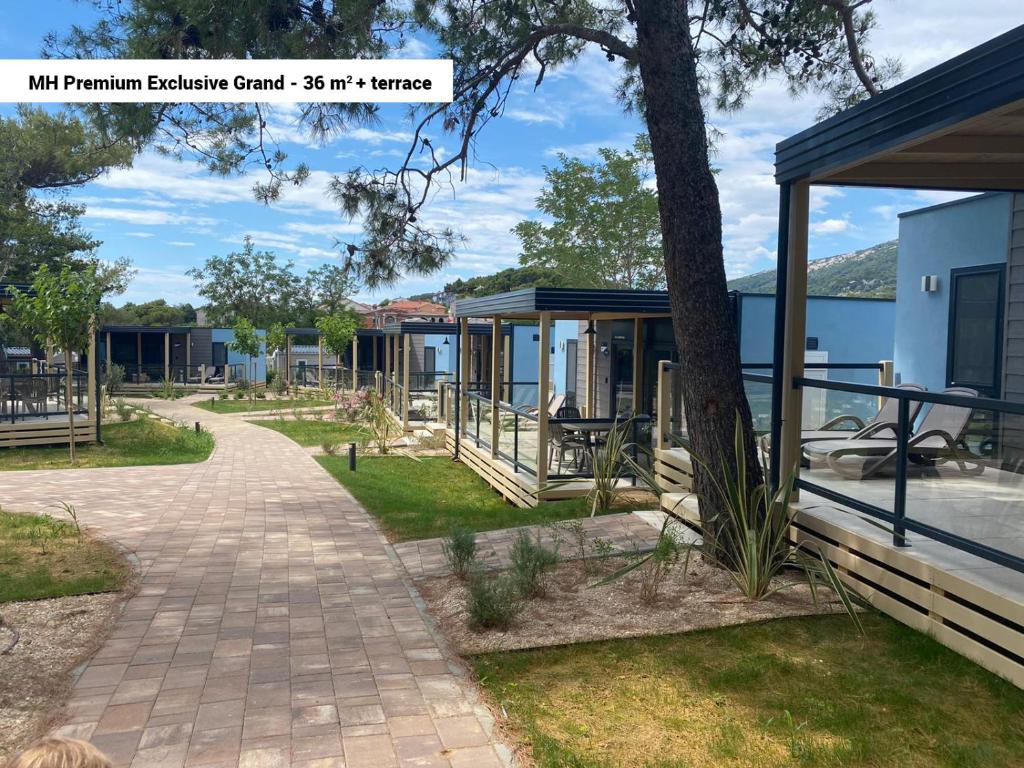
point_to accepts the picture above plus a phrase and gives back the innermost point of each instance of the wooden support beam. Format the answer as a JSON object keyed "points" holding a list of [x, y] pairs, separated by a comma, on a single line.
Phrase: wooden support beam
{"points": [[495, 385], [109, 352], [188, 355], [355, 363], [91, 398], [320, 360], [591, 405], [543, 376], [167, 355], [638, 365], [886, 378], [795, 329], [465, 358], [406, 350], [138, 356]]}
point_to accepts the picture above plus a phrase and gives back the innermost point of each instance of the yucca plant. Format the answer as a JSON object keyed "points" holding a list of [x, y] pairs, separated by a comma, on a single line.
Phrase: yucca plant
{"points": [[749, 536], [379, 424]]}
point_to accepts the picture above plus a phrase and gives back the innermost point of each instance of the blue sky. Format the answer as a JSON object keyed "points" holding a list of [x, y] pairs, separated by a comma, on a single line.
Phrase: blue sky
{"points": [[168, 216]]}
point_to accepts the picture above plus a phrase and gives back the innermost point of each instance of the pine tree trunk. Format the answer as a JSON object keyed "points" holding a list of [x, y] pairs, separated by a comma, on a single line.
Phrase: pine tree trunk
{"points": [[67, 402], [691, 224]]}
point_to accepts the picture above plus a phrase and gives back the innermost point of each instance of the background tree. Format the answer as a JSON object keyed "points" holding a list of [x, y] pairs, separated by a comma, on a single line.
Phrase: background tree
{"points": [[44, 155], [511, 279], [604, 229], [676, 55], [337, 332], [248, 343], [328, 288], [277, 340], [60, 311], [156, 312], [247, 284]]}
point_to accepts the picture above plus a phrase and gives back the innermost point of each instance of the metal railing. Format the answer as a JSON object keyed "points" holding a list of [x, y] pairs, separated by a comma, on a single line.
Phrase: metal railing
{"points": [[518, 430], [25, 396], [991, 441]]}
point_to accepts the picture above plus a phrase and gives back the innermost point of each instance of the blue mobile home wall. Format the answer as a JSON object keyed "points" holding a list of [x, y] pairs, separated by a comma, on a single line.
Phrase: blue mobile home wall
{"points": [[227, 336], [850, 330], [933, 241], [526, 359]]}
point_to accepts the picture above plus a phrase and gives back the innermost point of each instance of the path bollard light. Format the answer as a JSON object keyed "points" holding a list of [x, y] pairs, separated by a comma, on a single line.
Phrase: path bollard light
{"points": [[198, 428], [352, 457]]}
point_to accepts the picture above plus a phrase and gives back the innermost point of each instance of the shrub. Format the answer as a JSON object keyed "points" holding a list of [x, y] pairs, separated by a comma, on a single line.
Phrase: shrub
{"points": [[239, 394], [124, 411], [381, 426], [329, 447], [223, 395], [113, 378], [530, 560], [460, 552], [494, 602], [261, 395], [659, 564]]}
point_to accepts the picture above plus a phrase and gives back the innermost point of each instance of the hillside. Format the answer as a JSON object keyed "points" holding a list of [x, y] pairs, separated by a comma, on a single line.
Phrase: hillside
{"points": [[868, 272]]}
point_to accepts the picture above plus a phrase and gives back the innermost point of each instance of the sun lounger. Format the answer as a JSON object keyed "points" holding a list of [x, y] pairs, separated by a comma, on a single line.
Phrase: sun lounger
{"points": [[881, 426], [939, 439]]}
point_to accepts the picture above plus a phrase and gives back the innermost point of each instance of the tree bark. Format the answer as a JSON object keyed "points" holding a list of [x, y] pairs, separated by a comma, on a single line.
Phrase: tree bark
{"points": [[691, 225]]}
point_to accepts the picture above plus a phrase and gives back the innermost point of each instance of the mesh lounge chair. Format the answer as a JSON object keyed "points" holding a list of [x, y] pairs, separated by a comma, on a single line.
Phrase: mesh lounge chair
{"points": [[881, 426], [939, 438]]}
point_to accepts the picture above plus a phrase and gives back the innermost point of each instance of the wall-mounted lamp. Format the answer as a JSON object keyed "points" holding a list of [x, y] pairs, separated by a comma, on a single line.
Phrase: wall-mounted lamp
{"points": [[929, 283], [605, 351]]}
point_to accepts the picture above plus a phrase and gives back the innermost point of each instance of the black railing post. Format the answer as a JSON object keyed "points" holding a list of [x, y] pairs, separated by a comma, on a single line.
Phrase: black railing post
{"points": [[779, 343], [14, 400], [515, 442], [903, 427]]}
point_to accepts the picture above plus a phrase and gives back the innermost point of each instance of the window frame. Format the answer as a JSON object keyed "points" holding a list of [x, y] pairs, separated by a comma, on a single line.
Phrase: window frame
{"points": [[994, 388]]}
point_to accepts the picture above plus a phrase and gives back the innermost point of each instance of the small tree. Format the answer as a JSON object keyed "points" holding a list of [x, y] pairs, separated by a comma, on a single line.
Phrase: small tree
{"points": [[337, 331], [276, 341], [60, 310], [247, 341]]}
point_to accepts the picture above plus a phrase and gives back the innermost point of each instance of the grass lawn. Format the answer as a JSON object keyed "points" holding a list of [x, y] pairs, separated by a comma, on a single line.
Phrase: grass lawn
{"points": [[428, 498], [126, 444], [231, 405], [793, 692], [310, 431], [42, 557]]}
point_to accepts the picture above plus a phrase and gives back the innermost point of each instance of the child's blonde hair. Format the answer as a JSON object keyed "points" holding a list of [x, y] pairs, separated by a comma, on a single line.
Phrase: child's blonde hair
{"points": [[59, 752]]}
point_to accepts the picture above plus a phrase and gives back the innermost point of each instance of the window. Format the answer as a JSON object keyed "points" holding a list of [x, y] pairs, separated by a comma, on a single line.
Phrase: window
{"points": [[975, 344]]}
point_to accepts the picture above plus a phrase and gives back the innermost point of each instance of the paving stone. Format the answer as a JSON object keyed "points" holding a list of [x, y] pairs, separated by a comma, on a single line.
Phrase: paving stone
{"points": [[271, 625]]}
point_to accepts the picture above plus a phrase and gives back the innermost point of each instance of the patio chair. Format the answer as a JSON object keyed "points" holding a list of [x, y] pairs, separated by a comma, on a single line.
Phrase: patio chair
{"points": [[881, 426], [938, 439], [214, 375]]}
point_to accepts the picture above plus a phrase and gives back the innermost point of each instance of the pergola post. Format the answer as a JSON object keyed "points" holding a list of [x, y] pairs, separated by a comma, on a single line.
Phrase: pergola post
{"points": [[465, 355], [794, 330], [138, 358], [167, 355], [495, 384], [373, 339], [355, 363], [886, 378], [638, 365], [405, 381], [544, 374], [320, 359], [188, 355], [288, 358], [109, 352], [591, 409]]}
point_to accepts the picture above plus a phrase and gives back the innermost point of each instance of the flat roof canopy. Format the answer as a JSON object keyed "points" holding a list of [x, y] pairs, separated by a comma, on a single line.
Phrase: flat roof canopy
{"points": [[567, 304], [316, 332], [421, 328], [957, 126], [146, 328]]}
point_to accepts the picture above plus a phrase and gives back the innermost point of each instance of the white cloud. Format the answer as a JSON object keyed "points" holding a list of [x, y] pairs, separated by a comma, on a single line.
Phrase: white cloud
{"points": [[138, 234], [181, 243], [535, 117], [152, 217], [830, 226]]}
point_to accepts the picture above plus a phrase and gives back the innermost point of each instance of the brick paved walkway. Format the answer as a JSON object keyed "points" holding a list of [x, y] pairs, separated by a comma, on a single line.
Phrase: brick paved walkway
{"points": [[272, 627], [623, 531]]}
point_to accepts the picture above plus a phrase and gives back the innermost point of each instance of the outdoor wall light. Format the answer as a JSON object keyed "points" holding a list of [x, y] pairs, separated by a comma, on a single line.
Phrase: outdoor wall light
{"points": [[929, 283], [605, 351]]}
